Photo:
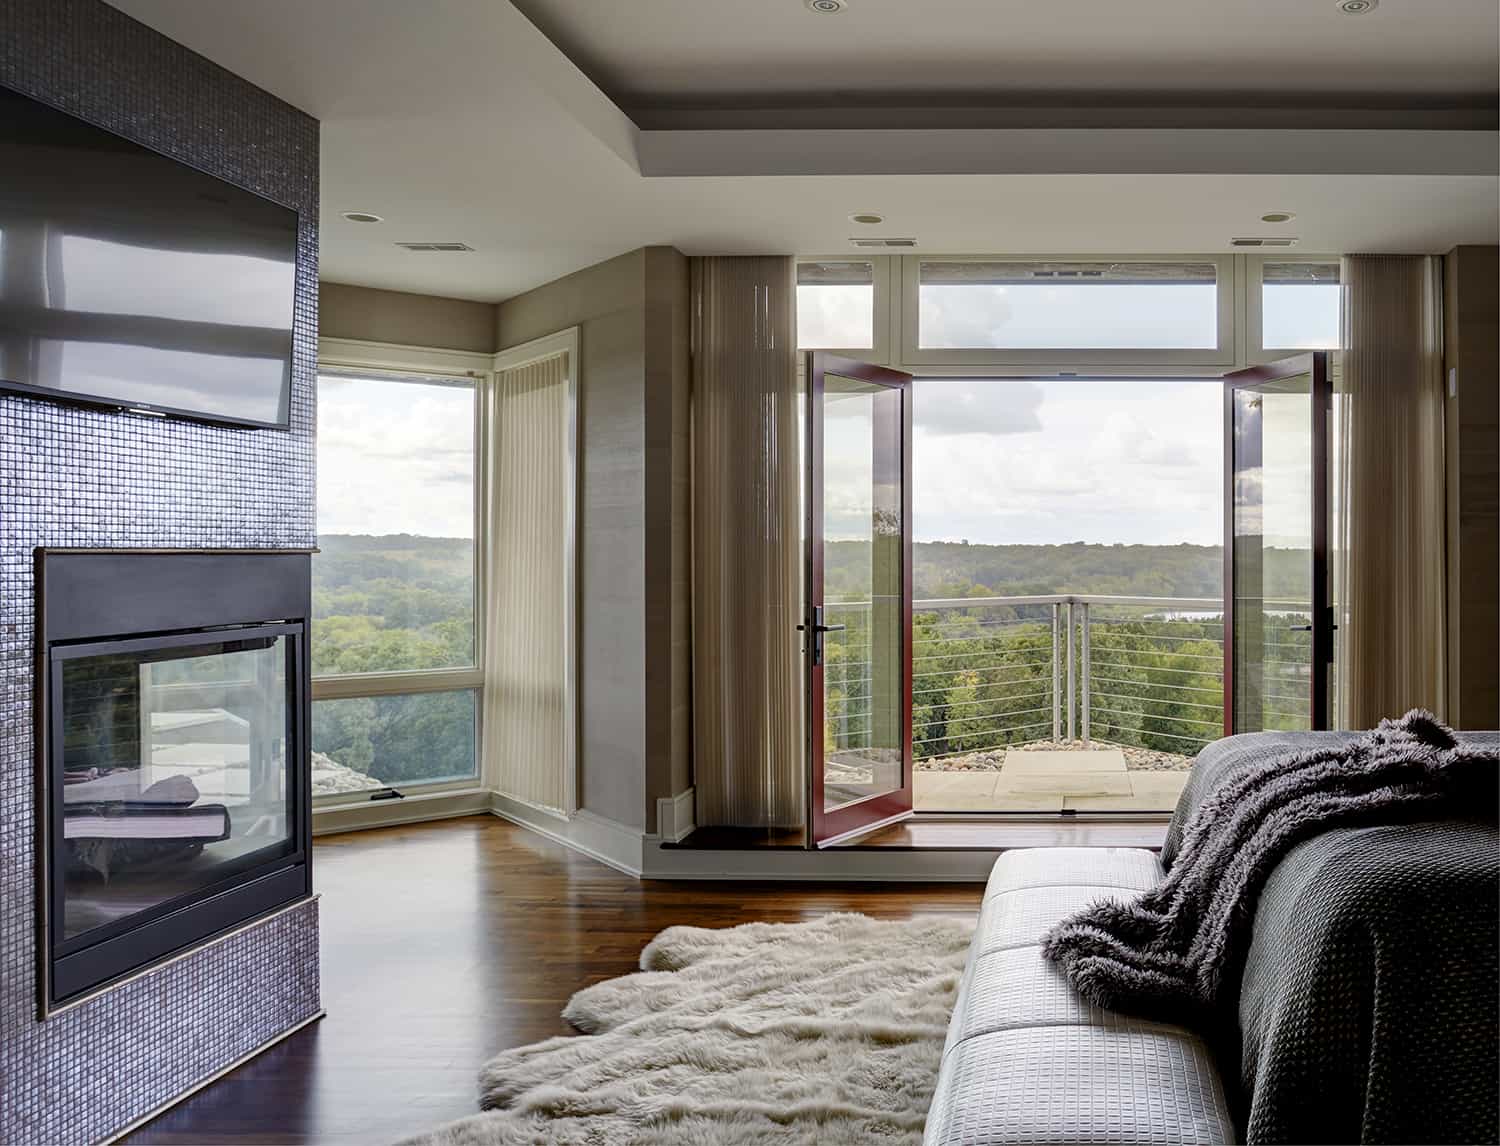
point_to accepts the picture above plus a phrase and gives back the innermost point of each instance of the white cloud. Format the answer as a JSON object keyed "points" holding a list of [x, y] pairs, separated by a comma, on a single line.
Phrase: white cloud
{"points": [[395, 457], [1129, 462]]}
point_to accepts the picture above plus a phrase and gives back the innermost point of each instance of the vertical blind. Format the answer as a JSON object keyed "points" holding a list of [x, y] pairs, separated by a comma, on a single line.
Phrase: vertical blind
{"points": [[747, 683], [528, 551]]}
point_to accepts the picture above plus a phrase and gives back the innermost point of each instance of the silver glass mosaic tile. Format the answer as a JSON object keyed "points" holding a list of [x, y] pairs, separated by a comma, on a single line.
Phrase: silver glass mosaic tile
{"points": [[74, 477]]}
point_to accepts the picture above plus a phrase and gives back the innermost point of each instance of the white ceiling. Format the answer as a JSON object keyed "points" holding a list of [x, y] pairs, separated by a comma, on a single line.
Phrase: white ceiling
{"points": [[458, 120], [745, 52]]}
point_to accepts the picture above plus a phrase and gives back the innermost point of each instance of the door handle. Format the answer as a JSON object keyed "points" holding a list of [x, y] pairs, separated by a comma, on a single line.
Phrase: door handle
{"points": [[818, 628]]}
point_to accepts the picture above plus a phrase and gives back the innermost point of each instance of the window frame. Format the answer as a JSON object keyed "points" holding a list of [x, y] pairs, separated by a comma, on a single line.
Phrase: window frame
{"points": [[883, 318], [1098, 360], [1256, 353], [403, 363]]}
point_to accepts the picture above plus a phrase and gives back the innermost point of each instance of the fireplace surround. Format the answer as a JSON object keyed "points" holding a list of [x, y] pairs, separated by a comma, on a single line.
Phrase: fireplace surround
{"points": [[172, 702], [83, 478]]}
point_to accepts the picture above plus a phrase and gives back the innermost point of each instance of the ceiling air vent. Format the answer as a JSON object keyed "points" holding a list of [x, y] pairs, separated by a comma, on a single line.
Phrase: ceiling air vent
{"points": [[1263, 242], [883, 243], [435, 246]]}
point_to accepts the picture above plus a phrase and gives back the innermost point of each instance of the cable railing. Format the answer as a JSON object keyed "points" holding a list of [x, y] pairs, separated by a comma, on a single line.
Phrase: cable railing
{"points": [[988, 672]]}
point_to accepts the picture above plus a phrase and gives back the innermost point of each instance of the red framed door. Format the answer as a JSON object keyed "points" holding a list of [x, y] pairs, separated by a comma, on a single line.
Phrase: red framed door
{"points": [[857, 623], [1278, 614]]}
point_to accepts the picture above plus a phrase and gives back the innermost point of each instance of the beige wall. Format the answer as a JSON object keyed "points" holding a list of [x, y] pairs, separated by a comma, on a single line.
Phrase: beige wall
{"points": [[372, 315], [668, 683], [632, 313], [1471, 317]]}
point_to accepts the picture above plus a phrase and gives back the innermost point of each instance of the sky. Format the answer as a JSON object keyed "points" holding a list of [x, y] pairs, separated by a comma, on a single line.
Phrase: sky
{"points": [[1056, 461], [1015, 462], [395, 457], [1019, 462]]}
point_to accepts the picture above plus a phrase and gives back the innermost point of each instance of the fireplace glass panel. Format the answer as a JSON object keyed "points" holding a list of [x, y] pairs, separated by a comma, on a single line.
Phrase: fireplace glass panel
{"points": [[174, 775]]}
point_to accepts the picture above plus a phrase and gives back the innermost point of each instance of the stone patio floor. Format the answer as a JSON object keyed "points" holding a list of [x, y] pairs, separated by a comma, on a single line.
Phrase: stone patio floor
{"points": [[1050, 781]]}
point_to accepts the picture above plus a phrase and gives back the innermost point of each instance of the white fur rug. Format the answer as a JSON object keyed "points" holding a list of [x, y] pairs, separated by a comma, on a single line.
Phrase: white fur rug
{"points": [[823, 1033]]}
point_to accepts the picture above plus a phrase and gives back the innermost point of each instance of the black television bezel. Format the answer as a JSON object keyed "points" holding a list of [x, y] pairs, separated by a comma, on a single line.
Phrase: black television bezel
{"points": [[146, 409]]}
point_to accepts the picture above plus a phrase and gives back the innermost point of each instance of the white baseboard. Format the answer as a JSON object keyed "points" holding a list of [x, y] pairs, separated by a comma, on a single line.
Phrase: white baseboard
{"points": [[674, 816], [408, 810], [608, 841], [639, 854]]}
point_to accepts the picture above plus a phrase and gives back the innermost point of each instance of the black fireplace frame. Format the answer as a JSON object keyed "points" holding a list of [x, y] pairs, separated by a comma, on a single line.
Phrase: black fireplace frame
{"points": [[92, 600]]}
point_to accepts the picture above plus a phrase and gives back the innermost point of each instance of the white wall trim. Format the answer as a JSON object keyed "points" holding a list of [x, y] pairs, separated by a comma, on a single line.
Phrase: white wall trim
{"points": [[408, 810], [674, 816], [611, 843], [640, 854], [362, 354], [563, 341]]}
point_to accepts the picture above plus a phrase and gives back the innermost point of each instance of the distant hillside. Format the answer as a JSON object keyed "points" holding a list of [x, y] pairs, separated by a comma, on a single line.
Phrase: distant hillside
{"points": [[954, 569]]}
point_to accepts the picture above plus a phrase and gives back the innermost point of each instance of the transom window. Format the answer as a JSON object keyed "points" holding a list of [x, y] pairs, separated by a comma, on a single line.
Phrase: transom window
{"points": [[836, 305], [1060, 305], [1300, 306]]}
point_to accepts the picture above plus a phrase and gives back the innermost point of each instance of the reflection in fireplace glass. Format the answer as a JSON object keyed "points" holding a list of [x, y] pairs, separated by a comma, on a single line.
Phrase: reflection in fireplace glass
{"points": [[174, 774]]}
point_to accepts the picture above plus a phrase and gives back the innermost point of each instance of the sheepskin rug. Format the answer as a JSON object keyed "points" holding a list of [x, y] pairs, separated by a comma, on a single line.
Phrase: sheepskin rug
{"points": [[825, 1033]]}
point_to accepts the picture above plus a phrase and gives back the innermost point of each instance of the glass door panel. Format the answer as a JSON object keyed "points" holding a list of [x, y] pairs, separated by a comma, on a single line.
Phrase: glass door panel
{"points": [[1278, 635], [857, 632]]}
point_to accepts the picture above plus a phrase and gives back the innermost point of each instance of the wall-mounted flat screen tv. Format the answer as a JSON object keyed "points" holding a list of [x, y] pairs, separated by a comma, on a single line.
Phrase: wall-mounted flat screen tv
{"points": [[129, 280]]}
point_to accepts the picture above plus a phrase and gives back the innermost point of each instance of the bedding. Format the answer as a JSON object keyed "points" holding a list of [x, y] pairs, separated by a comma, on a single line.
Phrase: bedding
{"points": [[1368, 998]]}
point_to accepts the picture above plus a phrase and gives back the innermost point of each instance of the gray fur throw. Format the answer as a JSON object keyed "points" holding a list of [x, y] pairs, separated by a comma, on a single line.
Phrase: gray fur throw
{"points": [[1177, 952]]}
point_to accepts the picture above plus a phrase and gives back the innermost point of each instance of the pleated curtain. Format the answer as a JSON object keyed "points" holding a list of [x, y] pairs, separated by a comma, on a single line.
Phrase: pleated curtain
{"points": [[1389, 563], [747, 678], [527, 709]]}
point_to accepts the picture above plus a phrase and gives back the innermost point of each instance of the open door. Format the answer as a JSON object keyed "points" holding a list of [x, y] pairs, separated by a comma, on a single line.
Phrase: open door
{"points": [[857, 625], [1278, 617]]}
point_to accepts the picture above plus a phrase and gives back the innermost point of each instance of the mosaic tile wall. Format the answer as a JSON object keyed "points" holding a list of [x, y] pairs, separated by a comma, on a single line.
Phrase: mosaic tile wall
{"points": [[82, 478]]}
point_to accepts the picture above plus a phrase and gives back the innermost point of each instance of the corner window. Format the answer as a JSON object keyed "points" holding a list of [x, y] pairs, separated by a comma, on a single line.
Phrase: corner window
{"points": [[1300, 306], [394, 634]]}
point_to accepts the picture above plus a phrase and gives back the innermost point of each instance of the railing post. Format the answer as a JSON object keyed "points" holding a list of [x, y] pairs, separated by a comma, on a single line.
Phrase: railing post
{"points": [[1083, 624], [1056, 672], [1071, 695]]}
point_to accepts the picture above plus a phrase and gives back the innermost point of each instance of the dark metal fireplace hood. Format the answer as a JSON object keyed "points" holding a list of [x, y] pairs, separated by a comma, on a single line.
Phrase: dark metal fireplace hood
{"points": [[172, 712]]}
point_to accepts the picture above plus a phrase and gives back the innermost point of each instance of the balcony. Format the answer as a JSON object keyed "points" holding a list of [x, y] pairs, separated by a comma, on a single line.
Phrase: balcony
{"points": [[1064, 702]]}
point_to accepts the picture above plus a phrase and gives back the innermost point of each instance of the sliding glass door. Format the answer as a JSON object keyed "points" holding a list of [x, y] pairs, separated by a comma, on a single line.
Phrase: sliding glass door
{"points": [[1278, 619], [857, 624]]}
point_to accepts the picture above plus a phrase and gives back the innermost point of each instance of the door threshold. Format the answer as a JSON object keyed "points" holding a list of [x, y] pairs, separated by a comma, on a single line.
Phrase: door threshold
{"points": [[949, 835]]}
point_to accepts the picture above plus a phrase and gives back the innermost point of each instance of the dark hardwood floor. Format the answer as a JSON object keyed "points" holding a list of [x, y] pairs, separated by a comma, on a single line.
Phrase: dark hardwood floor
{"points": [[444, 943]]}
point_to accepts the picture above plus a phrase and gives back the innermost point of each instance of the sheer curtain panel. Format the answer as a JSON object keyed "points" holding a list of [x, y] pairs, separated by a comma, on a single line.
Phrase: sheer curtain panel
{"points": [[1389, 564], [747, 665], [528, 661]]}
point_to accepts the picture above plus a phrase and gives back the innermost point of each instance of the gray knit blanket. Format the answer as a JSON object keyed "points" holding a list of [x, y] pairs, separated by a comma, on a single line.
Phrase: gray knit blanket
{"points": [[1176, 953]]}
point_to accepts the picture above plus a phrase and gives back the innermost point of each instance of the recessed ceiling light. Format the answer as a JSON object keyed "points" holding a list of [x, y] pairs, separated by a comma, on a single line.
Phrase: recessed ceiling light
{"points": [[362, 217], [1277, 217], [827, 7], [1358, 7], [867, 217]]}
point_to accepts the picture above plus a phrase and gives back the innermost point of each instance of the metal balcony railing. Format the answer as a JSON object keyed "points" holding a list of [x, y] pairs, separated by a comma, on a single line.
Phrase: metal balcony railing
{"points": [[992, 671]]}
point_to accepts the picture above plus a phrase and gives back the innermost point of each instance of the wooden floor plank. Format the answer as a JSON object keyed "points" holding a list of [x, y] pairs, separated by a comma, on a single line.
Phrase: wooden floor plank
{"points": [[444, 943]]}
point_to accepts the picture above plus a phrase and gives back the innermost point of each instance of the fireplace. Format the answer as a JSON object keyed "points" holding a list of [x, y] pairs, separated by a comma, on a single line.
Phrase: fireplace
{"points": [[173, 754]]}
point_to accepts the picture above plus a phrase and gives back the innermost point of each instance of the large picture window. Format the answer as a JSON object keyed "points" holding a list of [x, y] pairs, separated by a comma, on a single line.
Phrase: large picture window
{"points": [[395, 628]]}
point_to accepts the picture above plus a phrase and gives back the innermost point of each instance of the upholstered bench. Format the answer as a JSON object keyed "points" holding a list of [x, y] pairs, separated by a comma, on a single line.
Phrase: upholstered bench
{"points": [[1030, 1061]]}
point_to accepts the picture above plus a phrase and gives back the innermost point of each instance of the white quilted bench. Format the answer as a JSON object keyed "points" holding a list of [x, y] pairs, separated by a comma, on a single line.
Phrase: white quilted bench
{"points": [[1029, 1061]]}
